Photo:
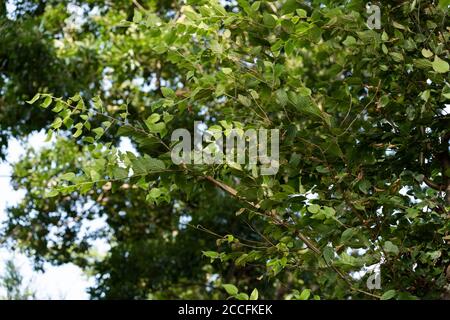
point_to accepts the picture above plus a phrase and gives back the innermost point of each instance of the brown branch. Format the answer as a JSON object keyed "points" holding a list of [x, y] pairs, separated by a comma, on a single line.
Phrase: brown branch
{"points": [[222, 185], [137, 4], [271, 215], [433, 185]]}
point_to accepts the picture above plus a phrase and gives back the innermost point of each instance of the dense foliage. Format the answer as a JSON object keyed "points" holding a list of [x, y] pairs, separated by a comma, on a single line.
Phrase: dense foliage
{"points": [[364, 177]]}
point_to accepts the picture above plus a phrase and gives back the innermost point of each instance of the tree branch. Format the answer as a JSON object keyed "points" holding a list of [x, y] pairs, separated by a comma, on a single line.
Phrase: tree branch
{"points": [[433, 185], [271, 215], [309, 243], [137, 4]]}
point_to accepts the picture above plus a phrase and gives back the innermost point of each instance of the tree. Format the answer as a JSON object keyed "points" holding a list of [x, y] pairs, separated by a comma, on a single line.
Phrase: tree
{"points": [[364, 176], [12, 282]]}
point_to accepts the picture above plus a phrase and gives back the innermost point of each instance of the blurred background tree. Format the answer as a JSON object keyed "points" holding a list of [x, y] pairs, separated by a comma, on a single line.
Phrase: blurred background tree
{"points": [[12, 282]]}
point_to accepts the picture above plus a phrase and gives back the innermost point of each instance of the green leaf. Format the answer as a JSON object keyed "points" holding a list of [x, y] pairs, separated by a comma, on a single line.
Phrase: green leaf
{"points": [[412, 213], [282, 97], [49, 135], [270, 20], [306, 105], [422, 63], [227, 70], [59, 106], [77, 133], [254, 294], [154, 118], [34, 99], [244, 100], [168, 92], [254, 94], [440, 65], [67, 176], [329, 212], [147, 164], [328, 254], [80, 105], [216, 47], [398, 25], [156, 127], [76, 97], [348, 234], [425, 95], [211, 254], [446, 93], [303, 91], [48, 100], [230, 289], [241, 296], [388, 295], [349, 41], [229, 238], [137, 17], [51, 194], [364, 186], [347, 260], [305, 294], [167, 117], [88, 139], [98, 132], [255, 5], [390, 247], [301, 13], [97, 102], [314, 208], [322, 169], [227, 33], [384, 101], [85, 187], [396, 56], [154, 193], [95, 176], [57, 123], [427, 53], [120, 173], [68, 122], [226, 124]]}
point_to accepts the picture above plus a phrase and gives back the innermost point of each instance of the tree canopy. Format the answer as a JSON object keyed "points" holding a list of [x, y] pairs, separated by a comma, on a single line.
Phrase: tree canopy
{"points": [[364, 162]]}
